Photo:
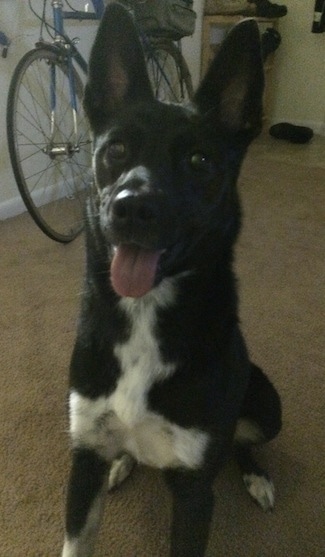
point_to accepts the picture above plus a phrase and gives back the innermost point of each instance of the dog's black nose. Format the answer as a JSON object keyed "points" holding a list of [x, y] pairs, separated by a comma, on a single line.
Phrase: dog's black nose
{"points": [[138, 209], [145, 218]]}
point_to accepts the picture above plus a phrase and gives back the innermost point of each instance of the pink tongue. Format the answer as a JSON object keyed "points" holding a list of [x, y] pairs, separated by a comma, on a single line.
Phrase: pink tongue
{"points": [[133, 270]]}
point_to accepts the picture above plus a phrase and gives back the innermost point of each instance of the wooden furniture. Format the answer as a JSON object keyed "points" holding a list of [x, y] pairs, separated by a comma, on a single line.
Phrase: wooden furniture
{"points": [[214, 27]]}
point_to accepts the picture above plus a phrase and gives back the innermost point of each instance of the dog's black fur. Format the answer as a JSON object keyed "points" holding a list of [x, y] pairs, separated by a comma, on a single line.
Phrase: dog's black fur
{"points": [[160, 371]]}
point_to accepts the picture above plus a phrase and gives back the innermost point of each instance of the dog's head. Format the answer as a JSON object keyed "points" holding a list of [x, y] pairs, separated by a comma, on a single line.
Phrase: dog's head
{"points": [[166, 174]]}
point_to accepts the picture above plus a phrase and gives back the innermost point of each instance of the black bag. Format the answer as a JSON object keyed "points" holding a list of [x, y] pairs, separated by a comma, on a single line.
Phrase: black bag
{"points": [[173, 19]]}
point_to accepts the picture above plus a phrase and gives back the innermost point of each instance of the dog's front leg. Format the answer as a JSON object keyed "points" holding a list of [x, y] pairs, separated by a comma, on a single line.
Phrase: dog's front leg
{"points": [[193, 502], [85, 501]]}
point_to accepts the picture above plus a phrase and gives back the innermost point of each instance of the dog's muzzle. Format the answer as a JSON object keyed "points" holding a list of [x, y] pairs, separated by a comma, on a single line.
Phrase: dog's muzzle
{"points": [[140, 225]]}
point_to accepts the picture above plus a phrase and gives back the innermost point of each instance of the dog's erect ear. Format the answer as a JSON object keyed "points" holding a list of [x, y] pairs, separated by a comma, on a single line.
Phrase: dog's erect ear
{"points": [[232, 89], [117, 70]]}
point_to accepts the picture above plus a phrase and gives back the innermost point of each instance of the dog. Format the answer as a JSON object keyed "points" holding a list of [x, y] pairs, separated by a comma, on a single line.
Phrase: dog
{"points": [[160, 374]]}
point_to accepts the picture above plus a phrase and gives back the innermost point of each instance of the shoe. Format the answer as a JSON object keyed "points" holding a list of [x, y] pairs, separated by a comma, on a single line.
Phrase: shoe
{"points": [[271, 40], [292, 133], [265, 8]]}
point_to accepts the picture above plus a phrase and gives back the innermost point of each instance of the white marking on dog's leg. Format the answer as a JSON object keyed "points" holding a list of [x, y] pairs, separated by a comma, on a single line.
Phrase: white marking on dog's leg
{"points": [[70, 548], [120, 470], [83, 544], [261, 490], [247, 431]]}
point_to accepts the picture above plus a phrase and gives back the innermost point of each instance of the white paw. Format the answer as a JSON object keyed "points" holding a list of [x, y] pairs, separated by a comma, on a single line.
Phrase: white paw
{"points": [[261, 489], [119, 471]]}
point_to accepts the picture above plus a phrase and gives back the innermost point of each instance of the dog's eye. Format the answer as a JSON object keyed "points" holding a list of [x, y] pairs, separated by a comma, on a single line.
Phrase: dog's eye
{"points": [[117, 150], [199, 161]]}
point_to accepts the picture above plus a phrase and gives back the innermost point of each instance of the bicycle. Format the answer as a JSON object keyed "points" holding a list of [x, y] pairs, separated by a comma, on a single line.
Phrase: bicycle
{"points": [[48, 135]]}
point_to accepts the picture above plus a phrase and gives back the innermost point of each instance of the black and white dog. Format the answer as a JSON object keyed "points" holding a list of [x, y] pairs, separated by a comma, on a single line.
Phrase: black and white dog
{"points": [[160, 373]]}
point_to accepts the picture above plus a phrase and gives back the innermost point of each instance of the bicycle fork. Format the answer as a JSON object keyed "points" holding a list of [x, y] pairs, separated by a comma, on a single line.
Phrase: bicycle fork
{"points": [[67, 148]]}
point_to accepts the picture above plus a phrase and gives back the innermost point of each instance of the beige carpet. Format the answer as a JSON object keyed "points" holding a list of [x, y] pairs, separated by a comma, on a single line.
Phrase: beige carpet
{"points": [[281, 270]]}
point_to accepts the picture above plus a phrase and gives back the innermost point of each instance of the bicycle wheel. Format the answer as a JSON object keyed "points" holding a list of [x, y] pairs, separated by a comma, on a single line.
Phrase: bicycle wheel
{"points": [[49, 143], [168, 72]]}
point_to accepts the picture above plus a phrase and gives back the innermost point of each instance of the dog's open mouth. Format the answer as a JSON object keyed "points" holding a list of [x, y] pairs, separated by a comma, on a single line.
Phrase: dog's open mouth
{"points": [[133, 270]]}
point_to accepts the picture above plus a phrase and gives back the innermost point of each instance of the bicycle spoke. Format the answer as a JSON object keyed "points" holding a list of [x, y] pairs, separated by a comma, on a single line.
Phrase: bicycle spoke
{"points": [[168, 72]]}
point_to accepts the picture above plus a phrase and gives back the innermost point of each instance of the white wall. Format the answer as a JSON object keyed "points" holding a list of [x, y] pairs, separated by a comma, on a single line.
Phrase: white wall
{"points": [[192, 45], [300, 69]]}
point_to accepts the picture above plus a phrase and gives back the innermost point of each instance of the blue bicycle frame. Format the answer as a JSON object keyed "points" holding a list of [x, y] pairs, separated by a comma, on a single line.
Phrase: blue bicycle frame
{"points": [[59, 15], [70, 53]]}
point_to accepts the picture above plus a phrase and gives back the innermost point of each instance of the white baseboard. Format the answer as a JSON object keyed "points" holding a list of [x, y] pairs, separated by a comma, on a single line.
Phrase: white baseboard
{"points": [[15, 206], [11, 207]]}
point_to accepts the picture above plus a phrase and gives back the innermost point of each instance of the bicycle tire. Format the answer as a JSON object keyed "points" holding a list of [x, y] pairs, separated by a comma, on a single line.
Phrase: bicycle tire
{"points": [[168, 72], [51, 168]]}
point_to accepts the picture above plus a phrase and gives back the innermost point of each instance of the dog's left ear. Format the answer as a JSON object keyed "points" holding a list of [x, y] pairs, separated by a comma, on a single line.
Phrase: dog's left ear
{"points": [[117, 70], [232, 91]]}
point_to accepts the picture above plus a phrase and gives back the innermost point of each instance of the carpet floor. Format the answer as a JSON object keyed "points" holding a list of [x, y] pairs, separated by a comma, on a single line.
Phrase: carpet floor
{"points": [[280, 265]]}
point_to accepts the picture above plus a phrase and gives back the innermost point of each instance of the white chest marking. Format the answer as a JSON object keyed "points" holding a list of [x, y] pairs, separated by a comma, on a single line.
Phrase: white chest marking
{"points": [[122, 421]]}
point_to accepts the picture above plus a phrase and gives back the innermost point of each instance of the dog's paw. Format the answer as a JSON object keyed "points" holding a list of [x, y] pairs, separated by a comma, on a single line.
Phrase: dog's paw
{"points": [[261, 489], [119, 471]]}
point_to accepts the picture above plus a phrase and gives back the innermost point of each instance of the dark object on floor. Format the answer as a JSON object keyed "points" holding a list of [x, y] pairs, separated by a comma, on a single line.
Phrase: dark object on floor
{"points": [[271, 40], [290, 132], [318, 25], [265, 8]]}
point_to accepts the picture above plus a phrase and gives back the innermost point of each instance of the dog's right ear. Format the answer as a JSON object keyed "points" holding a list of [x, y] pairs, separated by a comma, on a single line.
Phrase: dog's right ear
{"points": [[117, 70], [231, 93]]}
